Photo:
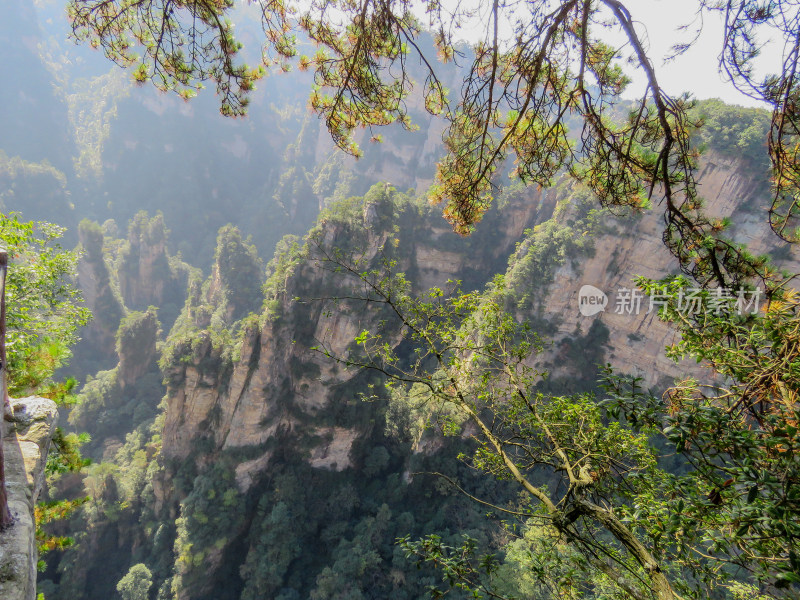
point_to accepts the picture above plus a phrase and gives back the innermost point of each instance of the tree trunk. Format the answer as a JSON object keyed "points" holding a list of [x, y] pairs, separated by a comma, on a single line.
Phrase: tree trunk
{"points": [[5, 514], [658, 579]]}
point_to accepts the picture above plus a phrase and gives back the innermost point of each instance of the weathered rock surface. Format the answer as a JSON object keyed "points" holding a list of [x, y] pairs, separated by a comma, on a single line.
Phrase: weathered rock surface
{"points": [[94, 279], [25, 446], [251, 395], [634, 248], [276, 383], [244, 403]]}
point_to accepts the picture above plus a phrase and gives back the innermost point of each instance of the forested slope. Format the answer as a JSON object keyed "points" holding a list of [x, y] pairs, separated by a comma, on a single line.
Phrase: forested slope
{"points": [[268, 469]]}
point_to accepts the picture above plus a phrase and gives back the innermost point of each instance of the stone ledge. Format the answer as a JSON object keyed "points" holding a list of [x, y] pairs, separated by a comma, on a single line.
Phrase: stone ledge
{"points": [[25, 446]]}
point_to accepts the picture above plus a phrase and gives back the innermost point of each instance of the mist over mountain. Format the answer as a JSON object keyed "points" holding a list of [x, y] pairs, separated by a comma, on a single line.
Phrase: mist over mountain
{"points": [[115, 150]]}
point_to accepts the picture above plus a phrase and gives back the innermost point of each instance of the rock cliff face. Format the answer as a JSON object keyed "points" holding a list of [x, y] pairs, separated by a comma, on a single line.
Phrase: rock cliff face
{"points": [[247, 401], [137, 335], [25, 446], [278, 382], [247, 394], [145, 277], [97, 346], [633, 247], [264, 389]]}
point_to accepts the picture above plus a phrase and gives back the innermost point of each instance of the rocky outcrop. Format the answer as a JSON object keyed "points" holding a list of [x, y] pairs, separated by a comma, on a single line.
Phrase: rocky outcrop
{"points": [[136, 346], [96, 349], [278, 381], [25, 446], [247, 391], [632, 247], [274, 382], [144, 270], [147, 275]]}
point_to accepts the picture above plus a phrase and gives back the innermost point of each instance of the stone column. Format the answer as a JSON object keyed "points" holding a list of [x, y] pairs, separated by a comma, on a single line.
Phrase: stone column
{"points": [[25, 447]]}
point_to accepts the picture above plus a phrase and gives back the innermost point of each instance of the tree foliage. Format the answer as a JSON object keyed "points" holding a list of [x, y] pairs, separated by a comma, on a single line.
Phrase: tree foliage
{"points": [[598, 490], [541, 65], [136, 583], [185, 43], [47, 512], [43, 315], [735, 131], [44, 310], [739, 432], [474, 360]]}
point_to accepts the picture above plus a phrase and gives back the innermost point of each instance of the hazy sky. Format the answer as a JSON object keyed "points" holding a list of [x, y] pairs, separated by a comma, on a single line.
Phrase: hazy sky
{"points": [[697, 70]]}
